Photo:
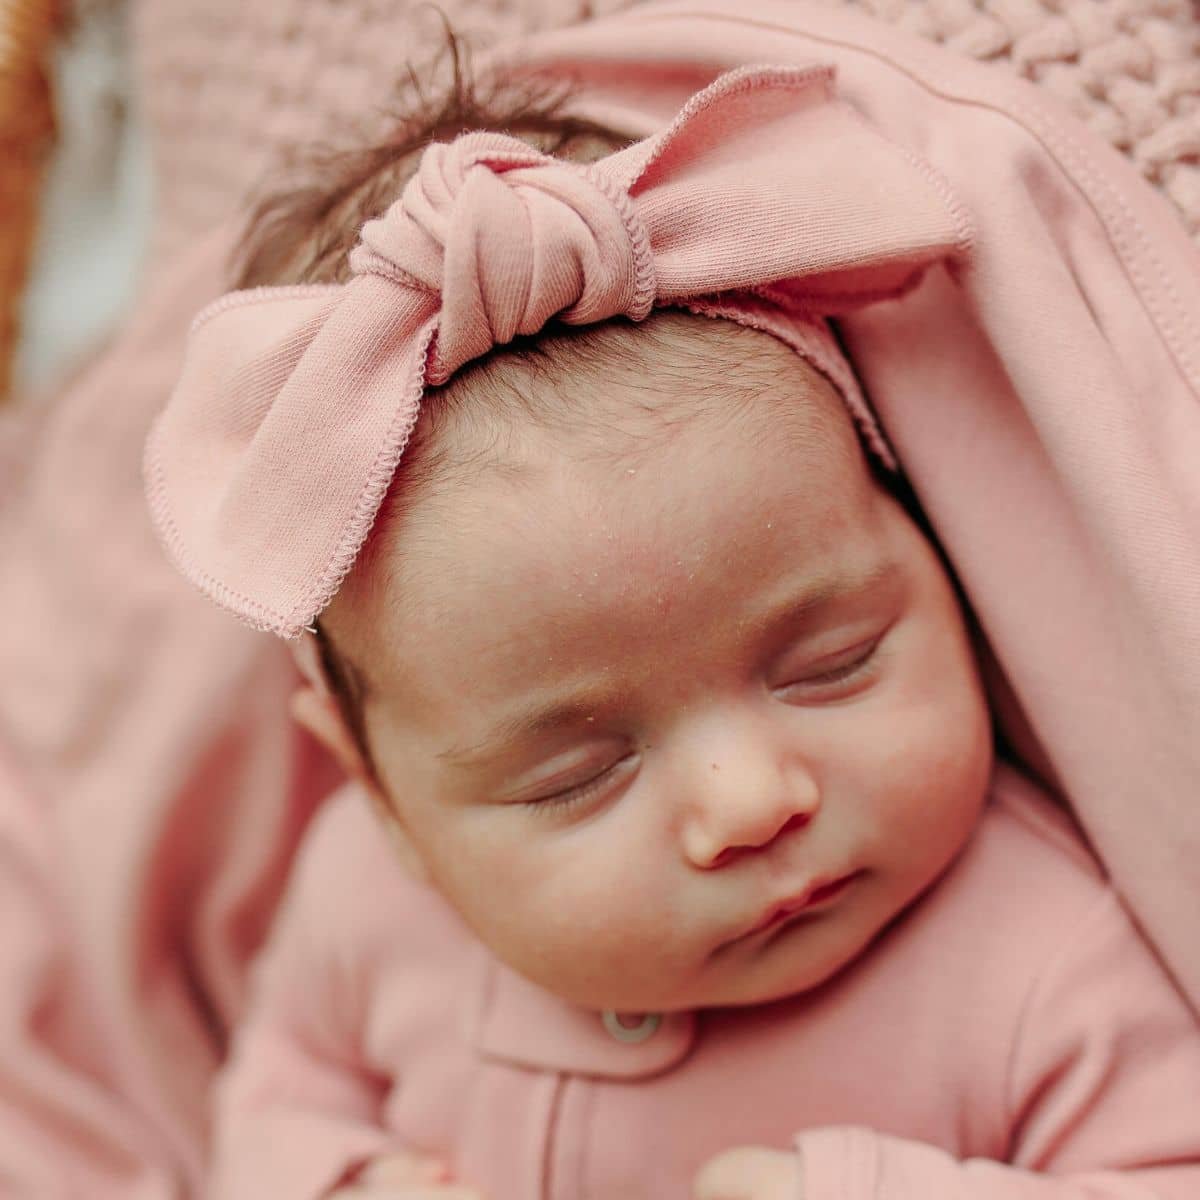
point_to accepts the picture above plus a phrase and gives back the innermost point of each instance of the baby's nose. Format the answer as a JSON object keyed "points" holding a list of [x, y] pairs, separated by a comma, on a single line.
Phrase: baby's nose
{"points": [[743, 807]]}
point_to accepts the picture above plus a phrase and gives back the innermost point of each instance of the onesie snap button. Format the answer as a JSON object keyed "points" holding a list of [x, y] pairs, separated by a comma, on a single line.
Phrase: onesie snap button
{"points": [[631, 1029], [517, 1022]]}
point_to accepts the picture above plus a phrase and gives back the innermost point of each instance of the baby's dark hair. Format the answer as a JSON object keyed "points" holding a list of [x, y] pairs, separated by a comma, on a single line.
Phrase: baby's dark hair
{"points": [[304, 232]]}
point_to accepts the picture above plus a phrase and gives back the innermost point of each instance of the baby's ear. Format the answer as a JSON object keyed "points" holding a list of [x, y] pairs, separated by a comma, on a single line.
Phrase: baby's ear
{"points": [[318, 712]]}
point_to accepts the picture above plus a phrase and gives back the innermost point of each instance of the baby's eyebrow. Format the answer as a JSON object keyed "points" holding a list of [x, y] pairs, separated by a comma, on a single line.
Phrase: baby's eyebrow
{"points": [[797, 603]]}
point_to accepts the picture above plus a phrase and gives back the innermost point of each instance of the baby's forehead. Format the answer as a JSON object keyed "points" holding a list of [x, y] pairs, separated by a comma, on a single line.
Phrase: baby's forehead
{"points": [[615, 391], [633, 496]]}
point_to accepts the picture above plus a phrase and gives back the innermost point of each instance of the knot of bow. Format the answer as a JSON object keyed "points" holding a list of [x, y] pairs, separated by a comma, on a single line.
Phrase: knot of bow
{"points": [[506, 239]]}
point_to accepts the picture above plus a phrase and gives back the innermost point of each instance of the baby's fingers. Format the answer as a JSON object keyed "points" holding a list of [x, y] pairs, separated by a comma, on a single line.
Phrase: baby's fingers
{"points": [[401, 1169], [750, 1173], [409, 1191], [404, 1177]]}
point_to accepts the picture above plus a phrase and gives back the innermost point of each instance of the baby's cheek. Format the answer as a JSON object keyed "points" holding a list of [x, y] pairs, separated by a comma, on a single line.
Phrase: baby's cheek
{"points": [[939, 716], [921, 773], [604, 917], [611, 893]]}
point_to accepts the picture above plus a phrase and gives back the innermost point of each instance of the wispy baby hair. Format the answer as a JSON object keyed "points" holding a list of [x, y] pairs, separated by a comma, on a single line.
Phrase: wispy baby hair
{"points": [[304, 233]]}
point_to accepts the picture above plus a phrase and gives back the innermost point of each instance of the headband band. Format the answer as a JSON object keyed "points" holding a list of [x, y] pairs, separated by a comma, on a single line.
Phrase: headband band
{"points": [[766, 201]]}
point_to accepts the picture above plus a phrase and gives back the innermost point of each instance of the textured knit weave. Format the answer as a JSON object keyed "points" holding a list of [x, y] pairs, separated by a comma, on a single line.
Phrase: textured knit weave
{"points": [[230, 85], [1130, 69]]}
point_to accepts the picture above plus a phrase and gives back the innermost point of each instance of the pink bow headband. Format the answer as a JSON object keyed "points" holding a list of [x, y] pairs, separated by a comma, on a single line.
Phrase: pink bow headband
{"points": [[268, 466]]}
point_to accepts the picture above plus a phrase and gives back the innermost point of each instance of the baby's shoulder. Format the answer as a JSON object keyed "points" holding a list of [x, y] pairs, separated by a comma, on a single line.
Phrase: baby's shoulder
{"points": [[1022, 821], [1022, 903], [1024, 881]]}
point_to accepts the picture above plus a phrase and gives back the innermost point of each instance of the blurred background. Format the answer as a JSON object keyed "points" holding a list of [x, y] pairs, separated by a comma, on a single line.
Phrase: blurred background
{"points": [[75, 198], [226, 92]]}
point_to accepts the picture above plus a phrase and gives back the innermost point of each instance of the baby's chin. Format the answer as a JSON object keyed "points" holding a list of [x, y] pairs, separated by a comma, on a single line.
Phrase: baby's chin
{"points": [[771, 978], [776, 986], [746, 992]]}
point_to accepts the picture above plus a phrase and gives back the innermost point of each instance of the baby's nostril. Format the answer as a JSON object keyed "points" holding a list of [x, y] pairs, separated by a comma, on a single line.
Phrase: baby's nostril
{"points": [[726, 855], [797, 821]]}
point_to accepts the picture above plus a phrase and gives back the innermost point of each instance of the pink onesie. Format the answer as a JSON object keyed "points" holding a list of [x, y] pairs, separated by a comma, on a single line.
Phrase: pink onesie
{"points": [[1009, 1038]]}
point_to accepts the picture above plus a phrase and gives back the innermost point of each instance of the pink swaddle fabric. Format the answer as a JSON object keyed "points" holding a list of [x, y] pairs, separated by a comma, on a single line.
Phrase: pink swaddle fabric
{"points": [[269, 465]]}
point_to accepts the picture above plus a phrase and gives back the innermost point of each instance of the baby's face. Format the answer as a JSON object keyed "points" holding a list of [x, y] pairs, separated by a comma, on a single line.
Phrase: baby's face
{"points": [[684, 731]]}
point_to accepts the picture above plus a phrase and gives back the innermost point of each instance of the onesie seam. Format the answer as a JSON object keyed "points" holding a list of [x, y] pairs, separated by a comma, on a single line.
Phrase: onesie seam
{"points": [[554, 1109], [583, 1153]]}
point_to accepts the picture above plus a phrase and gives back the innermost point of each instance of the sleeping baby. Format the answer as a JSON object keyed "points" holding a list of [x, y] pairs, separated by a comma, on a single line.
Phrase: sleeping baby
{"points": [[677, 859]]}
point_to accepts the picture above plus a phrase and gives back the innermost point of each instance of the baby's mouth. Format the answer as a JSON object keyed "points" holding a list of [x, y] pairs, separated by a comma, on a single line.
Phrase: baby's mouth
{"points": [[816, 897]]}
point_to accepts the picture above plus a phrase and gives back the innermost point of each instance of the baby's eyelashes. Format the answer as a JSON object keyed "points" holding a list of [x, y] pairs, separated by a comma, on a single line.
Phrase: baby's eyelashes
{"points": [[832, 676], [578, 794]]}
